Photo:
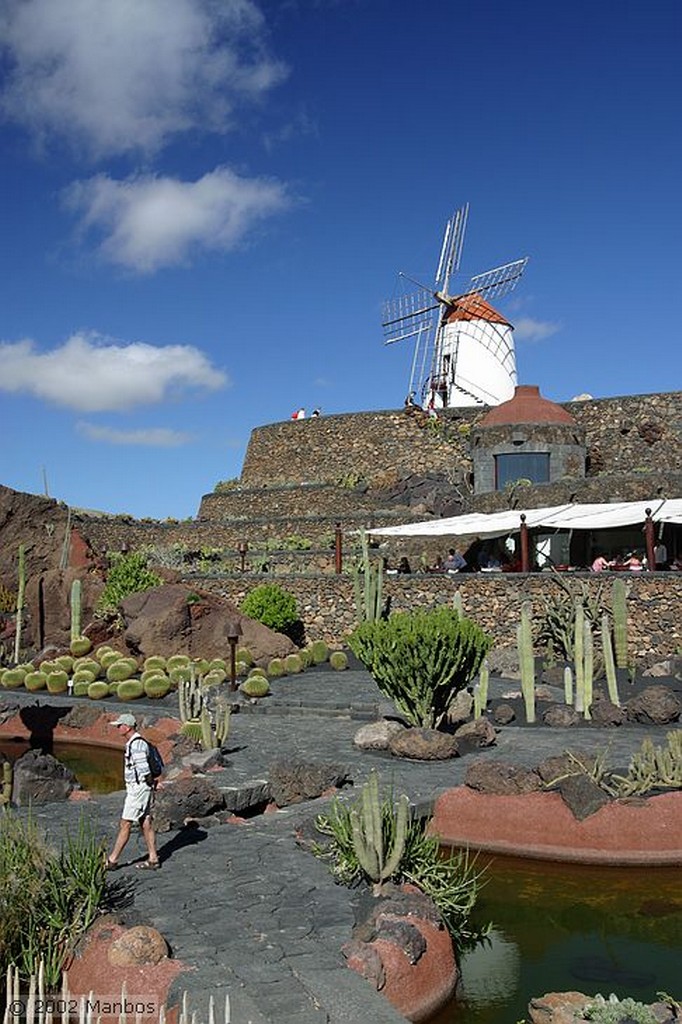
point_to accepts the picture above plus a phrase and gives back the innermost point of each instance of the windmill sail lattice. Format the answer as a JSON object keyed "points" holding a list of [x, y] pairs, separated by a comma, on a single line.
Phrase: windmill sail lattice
{"points": [[463, 348]]}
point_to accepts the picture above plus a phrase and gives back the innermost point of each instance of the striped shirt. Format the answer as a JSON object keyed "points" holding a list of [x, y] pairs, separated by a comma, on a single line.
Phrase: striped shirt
{"points": [[136, 765]]}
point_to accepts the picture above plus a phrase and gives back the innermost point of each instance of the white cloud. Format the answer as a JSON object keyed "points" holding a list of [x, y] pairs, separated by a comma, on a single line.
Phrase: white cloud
{"points": [[93, 373], [151, 222], [123, 75], [152, 437], [528, 329]]}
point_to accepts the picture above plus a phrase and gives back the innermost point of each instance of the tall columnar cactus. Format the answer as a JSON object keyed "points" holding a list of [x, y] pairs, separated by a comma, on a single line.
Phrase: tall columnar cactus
{"points": [[588, 666], [579, 656], [481, 690], [222, 724], [76, 607], [609, 662], [6, 785], [190, 698], [524, 641], [20, 602], [457, 602], [369, 841], [368, 582], [207, 736], [620, 622], [568, 685]]}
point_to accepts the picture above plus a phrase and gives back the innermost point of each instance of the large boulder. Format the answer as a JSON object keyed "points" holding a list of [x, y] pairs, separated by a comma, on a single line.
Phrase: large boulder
{"points": [[655, 705], [170, 619], [184, 801], [137, 947], [292, 782], [423, 745], [41, 779]]}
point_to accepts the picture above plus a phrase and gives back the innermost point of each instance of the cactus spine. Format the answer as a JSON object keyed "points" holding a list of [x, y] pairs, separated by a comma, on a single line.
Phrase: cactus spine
{"points": [[609, 663], [20, 602], [524, 641], [76, 606], [620, 622], [369, 843], [369, 590]]}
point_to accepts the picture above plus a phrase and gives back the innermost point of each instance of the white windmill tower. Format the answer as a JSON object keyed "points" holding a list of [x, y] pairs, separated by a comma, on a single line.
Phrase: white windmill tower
{"points": [[464, 349]]}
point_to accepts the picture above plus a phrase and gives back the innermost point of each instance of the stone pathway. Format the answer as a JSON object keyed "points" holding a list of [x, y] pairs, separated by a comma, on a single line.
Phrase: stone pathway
{"points": [[251, 912]]}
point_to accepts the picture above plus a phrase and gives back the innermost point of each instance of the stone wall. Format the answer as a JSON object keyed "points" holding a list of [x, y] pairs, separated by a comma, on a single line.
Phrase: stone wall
{"points": [[327, 605], [639, 433]]}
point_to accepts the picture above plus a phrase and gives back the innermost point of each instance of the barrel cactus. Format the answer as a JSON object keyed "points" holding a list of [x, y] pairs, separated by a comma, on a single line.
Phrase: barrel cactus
{"points": [[177, 661], [107, 658], [245, 655], [130, 689], [57, 682], [13, 678], [255, 686], [98, 690], [276, 668], [80, 646], [218, 665], [119, 671], [80, 689], [180, 674], [293, 664], [35, 681], [338, 660], [319, 651], [215, 677], [156, 687], [65, 662], [84, 675], [90, 664], [155, 661]]}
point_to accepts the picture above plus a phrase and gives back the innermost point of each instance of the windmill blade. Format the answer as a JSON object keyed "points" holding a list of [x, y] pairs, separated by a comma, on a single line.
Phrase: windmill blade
{"points": [[498, 281], [451, 249], [408, 315]]}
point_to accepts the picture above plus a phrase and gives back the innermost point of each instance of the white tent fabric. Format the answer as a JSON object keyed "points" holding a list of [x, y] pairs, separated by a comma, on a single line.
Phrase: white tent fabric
{"points": [[556, 517]]}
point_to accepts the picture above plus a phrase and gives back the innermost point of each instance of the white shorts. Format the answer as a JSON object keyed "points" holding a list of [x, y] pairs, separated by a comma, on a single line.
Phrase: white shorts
{"points": [[138, 801]]}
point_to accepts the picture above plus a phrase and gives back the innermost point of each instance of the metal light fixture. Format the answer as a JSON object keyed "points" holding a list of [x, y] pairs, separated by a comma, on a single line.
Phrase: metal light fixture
{"points": [[242, 548], [233, 631]]}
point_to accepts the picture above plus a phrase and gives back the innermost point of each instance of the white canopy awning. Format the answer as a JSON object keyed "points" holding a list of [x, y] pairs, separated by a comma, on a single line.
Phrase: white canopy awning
{"points": [[556, 517]]}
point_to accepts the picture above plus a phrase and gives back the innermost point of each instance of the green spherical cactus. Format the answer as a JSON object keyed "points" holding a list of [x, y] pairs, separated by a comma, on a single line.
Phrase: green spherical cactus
{"points": [[102, 650], [84, 675], [153, 673], [201, 666], [258, 670], [107, 658], [80, 689], [155, 661], [13, 678], [48, 666], [306, 657], [293, 664], [241, 668], [57, 682], [156, 687], [180, 674], [338, 660], [119, 671], [89, 664], [131, 689], [255, 686], [218, 665], [214, 678], [192, 729], [35, 681], [65, 662], [113, 688], [177, 661], [319, 651], [275, 668], [98, 690], [245, 655], [80, 646]]}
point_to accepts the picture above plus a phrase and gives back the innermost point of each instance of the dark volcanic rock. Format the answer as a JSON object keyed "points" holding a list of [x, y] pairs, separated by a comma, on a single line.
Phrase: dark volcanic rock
{"points": [[561, 716], [500, 779], [479, 733], [656, 705], [606, 714], [185, 800], [292, 782], [582, 795], [41, 779], [423, 745], [503, 714]]}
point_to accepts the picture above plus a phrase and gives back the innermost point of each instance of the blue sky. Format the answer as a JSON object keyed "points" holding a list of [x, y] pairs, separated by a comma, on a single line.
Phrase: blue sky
{"points": [[205, 203]]}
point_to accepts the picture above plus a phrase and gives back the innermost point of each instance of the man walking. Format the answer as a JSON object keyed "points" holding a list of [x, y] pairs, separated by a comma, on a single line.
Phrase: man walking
{"points": [[139, 795]]}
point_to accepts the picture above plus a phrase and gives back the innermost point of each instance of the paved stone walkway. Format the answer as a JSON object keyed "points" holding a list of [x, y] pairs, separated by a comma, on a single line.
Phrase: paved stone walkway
{"points": [[257, 916]]}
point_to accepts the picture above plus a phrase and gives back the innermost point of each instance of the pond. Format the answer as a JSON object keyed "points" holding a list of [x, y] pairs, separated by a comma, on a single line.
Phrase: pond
{"points": [[565, 927], [99, 769]]}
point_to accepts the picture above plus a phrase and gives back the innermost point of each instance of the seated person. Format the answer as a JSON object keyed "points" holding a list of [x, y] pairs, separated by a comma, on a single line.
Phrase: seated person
{"points": [[633, 562], [438, 565], [404, 565], [600, 563], [455, 561]]}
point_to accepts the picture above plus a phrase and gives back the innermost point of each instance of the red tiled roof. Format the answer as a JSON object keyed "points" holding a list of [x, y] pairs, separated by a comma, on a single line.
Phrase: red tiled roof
{"points": [[527, 406], [473, 307]]}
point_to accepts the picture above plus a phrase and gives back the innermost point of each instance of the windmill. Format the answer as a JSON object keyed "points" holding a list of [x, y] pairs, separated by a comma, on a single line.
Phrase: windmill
{"points": [[463, 348]]}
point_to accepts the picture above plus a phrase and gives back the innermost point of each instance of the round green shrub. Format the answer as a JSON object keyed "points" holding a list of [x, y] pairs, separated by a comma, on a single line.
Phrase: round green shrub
{"points": [[293, 664], [245, 655], [80, 646], [338, 660], [128, 574], [35, 681], [119, 671], [98, 690], [275, 668], [155, 661], [157, 686], [130, 689], [271, 605], [57, 682], [13, 678], [80, 689], [255, 686], [65, 662], [84, 675], [319, 651]]}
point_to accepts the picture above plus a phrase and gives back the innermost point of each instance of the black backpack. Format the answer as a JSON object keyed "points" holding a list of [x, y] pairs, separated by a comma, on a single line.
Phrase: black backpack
{"points": [[154, 760]]}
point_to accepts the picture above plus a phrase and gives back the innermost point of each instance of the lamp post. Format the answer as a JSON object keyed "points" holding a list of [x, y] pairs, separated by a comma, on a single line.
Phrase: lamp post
{"points": [[338, 550], [649, 540], [233, 631], [242, 548], [525, 560]]}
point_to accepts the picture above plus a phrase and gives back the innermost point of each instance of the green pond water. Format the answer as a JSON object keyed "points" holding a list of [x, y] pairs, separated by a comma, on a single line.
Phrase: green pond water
{"points": [[563, 927], [98, 769]]}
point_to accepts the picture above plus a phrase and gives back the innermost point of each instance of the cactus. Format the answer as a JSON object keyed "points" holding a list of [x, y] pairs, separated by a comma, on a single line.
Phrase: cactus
{"points": [[176, 661], [524, 642], [119, 671], [192, 729], [293, 664], [13, 678], [57, 682], [107, 658], [218, 665], [129, 689], [568, 685], [80, 646], [245, 655], [578, 655], [213, 678], [457, 603], [255, 686], [80, 688], [620, 622], [98, 690], [76, 609], [35, 681], [20, 601], [6, 786], [222, 724], [338, 660], [207, 737], [276, 668], [481, 690], [65, 662], [368, 833], [653, 767], [190, 697], [87, 665], [155, 661], [368, 581], [609, 662], [319, 651], [588, 667], [157, 686], [112, 688]]}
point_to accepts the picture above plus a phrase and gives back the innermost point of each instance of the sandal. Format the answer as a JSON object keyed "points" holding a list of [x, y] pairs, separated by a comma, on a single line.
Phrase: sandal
{"points": [[148, 865], [111, 865]]}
